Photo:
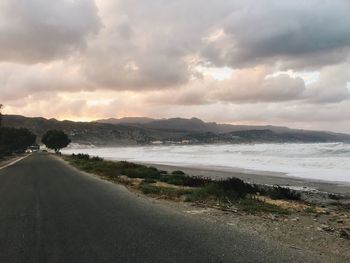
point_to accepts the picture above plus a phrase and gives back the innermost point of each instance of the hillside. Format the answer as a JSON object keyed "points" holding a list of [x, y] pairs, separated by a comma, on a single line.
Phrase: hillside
{"points": [[89, 132], [127, 120], [176, 130], [190, 125]]}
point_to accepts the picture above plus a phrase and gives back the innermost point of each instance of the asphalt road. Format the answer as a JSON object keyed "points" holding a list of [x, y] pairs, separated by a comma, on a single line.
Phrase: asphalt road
{"points": [[50, 212]]}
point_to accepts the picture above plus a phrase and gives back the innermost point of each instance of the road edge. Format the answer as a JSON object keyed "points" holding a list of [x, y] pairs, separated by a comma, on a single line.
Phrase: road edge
{"points": [[12, 162]]}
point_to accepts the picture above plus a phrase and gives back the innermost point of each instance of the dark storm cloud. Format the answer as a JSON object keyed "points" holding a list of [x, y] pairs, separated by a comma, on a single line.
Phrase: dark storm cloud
{"points": [[39, 30], [157, 52], [299, 33]]}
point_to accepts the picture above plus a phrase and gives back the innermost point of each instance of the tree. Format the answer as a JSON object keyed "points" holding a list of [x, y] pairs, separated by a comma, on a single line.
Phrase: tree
{"points": [[14, 140], [0, 115], [55, 140]]}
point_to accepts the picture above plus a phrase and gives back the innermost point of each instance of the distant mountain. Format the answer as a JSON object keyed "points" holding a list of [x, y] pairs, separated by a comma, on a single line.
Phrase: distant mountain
{"points": [[178, 124], [188, 125], [89, 132], [197, 125], [127, 120], [132, 131]]}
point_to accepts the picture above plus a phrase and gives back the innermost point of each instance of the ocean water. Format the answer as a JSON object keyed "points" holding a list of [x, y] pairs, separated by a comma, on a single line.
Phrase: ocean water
{"points": [[319, 161]]}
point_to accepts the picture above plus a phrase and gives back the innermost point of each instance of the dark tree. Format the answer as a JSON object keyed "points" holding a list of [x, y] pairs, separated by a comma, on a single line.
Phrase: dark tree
{"points": [[14, 140], [0, 115], [55, 140]]}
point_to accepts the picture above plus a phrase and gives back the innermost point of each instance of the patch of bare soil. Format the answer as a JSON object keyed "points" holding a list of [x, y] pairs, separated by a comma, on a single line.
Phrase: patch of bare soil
{"points": [[325, 230]]}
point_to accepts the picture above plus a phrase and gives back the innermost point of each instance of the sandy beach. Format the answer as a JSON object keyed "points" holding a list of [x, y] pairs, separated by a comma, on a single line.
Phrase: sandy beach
{"points": [[269, 178]]}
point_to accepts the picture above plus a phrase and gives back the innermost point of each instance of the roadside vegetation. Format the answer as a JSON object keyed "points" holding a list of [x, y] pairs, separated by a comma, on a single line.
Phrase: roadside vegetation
{"points": [[13, 140], [228, 193]]}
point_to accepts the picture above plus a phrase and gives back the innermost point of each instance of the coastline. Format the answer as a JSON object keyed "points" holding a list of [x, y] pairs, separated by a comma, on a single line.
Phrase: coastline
{"points": [[320, 166], [257, 177]]}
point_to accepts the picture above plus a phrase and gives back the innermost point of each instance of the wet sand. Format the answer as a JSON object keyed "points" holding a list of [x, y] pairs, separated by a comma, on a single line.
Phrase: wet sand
{"points": [[269, 178]]}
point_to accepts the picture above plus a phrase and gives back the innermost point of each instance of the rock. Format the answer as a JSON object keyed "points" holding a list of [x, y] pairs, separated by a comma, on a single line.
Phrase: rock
{"points": [[327, 228], [273, 217], [295, 219], [344, 233]]}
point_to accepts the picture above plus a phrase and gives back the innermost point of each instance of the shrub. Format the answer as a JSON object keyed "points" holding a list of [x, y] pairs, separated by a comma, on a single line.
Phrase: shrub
{"points": [[236, 187], [209, 191], [224, 190], [178, 172], [184, 180], [334, 196], [141, 172], [128, 165], [254, 206], [81, 156], [164, 191], [96, 159], [277, 192]]}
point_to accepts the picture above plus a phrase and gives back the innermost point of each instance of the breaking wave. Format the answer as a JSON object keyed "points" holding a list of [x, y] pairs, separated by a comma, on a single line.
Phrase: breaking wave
{"points": [[319, 161]]}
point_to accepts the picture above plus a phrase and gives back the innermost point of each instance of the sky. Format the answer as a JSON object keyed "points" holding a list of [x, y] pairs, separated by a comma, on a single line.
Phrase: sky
{"points": [[242, 62]]}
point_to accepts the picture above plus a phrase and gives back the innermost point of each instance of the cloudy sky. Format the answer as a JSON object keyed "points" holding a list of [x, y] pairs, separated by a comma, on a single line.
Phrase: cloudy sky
{"points": [[247, 62]]}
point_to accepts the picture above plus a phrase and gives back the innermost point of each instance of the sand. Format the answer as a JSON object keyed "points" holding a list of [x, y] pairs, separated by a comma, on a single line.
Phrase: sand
{"points": [[262, 178]]}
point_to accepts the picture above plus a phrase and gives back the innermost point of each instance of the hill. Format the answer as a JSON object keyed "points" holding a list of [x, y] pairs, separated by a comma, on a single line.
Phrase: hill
{"points": [[126, 120], [190, 125], [136, 131]]}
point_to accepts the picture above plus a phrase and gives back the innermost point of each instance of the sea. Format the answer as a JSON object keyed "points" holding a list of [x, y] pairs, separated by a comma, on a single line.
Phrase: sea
{"points": [[315, 161]]}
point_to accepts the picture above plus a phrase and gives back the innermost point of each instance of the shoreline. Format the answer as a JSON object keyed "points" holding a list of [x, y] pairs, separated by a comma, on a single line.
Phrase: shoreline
{"points": [[303, 172], [263, 178]]}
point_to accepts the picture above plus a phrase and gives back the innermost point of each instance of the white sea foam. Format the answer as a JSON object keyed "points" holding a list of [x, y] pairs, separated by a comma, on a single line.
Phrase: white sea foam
{"points": [[323, 161]]}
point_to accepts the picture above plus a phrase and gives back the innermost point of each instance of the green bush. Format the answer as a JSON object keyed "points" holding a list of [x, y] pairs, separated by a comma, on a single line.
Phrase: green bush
{"points": [[96, 159], [277, 192], [178, 172], [180, 178], [224, 190], [334, 196], [235, 187], [141, 172], [128, 165], [254, 206], [80, 156], [164, 191]]}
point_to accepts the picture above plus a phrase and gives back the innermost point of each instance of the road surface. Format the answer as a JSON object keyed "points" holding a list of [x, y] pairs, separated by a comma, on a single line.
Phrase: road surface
{"points": [[50, 212]]}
